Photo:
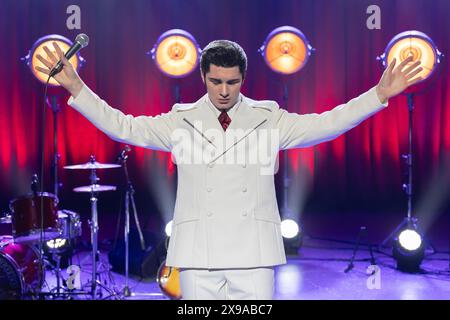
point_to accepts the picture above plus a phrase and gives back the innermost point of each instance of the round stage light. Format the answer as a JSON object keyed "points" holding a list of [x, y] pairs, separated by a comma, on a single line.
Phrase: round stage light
{"points": [[168, 228], [176, 53], [289, 228], [38, 48], [416, 44], [286, 50], [410, 239], [409, 249]]}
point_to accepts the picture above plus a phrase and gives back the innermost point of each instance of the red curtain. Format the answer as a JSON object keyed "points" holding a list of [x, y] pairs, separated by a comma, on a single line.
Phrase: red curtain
{"points": [[361, 170]]}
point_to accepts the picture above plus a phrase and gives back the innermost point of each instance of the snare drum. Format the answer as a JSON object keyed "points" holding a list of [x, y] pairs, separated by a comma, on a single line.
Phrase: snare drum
{"points": [[26, 217], [21, 271]]}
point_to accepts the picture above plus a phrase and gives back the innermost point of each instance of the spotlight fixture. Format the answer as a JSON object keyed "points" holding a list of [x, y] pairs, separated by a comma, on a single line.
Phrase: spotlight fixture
{"points": [[168, 228], [59, 249], [38, 48], [176, 53], [416, 44], [289, 228], [286, 50], [409, 248], [292, 236]]}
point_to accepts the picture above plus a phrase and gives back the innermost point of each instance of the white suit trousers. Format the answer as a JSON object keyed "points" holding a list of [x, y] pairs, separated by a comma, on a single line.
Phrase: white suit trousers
{"points": [[227, 284]]}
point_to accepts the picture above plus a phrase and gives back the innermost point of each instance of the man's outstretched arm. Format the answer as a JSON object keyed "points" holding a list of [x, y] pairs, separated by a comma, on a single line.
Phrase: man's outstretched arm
{"points": [[298, 131], [148, 132]]}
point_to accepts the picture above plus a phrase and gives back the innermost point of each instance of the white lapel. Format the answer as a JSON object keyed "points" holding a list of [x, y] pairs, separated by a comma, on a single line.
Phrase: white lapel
{"points": [[203, 120]]}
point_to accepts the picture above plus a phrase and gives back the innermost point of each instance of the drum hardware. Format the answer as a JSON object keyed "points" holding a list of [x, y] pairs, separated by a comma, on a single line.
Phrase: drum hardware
{"points": [[93, 165], [95, 188]]}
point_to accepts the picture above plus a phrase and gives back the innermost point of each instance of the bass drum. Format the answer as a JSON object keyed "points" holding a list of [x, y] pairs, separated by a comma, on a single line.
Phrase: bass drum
{"points": [[21, 272], [169, 281]]}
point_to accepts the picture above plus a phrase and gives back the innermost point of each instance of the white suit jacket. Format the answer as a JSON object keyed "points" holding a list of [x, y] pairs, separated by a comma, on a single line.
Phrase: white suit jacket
{"points": [[226, 213]]}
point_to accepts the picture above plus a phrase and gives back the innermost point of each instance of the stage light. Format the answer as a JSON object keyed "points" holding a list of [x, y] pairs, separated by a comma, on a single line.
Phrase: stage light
{"points": [[416, 44], [410, 240], [56, 244], [176, 53], [286, 50], [292, 236], [59, 252], [289, 228], [409, 248], [38, 48], [168, 228]]}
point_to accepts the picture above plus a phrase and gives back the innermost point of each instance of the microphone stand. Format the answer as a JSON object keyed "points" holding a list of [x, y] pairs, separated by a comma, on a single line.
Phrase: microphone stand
{"points": [[55, 108], [129, 196], [362, 232]]}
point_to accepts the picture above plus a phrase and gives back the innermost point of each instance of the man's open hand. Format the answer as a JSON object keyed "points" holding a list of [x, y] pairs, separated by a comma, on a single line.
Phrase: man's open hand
{"points": [[394, 81], [68, 77]]}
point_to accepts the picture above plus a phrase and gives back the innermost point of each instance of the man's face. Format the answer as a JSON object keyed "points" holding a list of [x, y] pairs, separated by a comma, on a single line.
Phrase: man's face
{"points": [[223, 85]]}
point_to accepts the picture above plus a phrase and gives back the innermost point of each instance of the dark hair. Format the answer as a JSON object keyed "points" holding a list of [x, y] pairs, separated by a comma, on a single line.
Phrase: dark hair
{"points": [[223, 53]]}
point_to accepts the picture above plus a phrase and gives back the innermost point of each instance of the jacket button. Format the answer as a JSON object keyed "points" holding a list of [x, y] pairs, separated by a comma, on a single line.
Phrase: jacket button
{"points": [[209, 189], [244, 213], [244, 189], [209, 214]]}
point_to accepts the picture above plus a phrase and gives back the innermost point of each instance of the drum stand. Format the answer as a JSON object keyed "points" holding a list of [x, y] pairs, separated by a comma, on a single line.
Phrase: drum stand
{"points": [[94, 241]]}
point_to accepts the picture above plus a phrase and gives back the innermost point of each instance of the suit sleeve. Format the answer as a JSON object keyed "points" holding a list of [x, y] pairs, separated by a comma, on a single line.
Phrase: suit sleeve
{"points": [[297, 131], [148, 132]]}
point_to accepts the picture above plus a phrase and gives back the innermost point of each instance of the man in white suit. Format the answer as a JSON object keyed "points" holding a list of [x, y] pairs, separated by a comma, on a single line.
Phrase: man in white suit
{"points": [[226, 235]]}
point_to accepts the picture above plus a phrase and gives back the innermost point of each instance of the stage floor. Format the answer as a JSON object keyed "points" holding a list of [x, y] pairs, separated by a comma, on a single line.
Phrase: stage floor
{"points": [[316, 273]]}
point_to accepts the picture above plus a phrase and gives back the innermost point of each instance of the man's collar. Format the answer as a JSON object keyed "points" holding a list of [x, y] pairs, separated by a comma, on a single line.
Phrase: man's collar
{"points": [[230, 111]]}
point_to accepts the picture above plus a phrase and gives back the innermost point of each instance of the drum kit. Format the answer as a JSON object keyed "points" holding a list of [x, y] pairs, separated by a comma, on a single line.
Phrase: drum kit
{"points": [[35, 219]]}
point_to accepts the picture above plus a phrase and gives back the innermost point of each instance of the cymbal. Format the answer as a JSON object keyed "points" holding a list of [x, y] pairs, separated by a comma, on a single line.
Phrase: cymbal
{"points": [[93, 165], [95, 188]]}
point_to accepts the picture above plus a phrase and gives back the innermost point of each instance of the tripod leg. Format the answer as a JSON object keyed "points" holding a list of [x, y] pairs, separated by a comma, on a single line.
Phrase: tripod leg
{"points": [[391, 236], [136, 220], [350, 265]]}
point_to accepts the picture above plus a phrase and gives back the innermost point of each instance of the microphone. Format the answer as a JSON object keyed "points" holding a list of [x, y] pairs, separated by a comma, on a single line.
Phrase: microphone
{"points": [[81, 41], [122, 155]]}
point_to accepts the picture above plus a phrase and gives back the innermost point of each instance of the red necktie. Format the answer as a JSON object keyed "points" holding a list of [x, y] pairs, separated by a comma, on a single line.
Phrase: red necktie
{"points": [[224, 120]]}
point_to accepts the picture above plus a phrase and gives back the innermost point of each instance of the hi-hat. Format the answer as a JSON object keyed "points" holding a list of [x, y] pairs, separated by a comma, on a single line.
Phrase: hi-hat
{"points": [[93, 165], [95, 188]]}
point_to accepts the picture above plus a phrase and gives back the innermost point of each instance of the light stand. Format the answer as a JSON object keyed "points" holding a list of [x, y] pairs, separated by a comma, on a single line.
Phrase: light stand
{"points": [[407, 187], [286, 51], [421, 48], [32, 61]]}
